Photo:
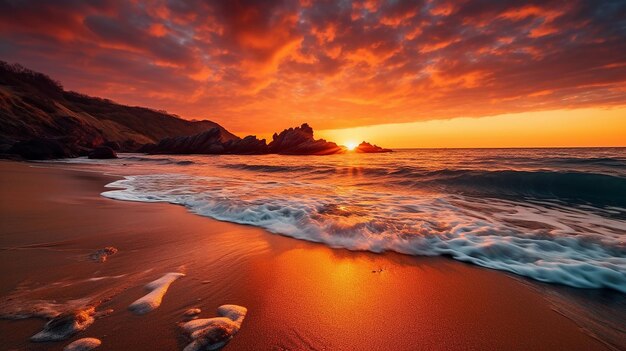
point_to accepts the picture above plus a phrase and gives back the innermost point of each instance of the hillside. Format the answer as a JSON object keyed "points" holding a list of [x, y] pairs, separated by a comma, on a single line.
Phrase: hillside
{"points": [[33, 106]]}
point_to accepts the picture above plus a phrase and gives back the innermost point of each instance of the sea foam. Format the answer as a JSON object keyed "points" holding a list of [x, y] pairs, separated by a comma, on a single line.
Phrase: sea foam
{"points": [[549, 242], [153, 299]]}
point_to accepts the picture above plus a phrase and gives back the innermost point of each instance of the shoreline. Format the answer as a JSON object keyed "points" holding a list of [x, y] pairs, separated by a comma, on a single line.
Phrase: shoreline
{"points": [[299, 294]]}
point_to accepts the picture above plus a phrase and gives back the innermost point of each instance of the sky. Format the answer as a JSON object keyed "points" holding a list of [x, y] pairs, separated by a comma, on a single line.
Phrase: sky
{"points": [[430, 73]]}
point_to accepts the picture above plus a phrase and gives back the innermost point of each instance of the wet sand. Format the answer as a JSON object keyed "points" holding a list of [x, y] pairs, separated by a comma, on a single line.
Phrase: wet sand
{"points": [[299, 295]]}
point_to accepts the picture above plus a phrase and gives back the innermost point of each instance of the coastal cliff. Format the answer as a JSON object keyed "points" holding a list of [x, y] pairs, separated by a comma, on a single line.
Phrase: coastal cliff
{"points": [[41, 120]]}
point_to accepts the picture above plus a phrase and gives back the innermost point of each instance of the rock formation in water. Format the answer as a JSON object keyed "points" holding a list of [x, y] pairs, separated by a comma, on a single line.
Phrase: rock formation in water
{"points": [[300, 141], [292, 141], [368, 148], [211, 142]]}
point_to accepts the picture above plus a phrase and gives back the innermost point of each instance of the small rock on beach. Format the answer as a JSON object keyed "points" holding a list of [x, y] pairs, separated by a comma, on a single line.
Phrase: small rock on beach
{"points": [[101, 255], [84, 344], [214, 333], [65, 325], [192, 312]]}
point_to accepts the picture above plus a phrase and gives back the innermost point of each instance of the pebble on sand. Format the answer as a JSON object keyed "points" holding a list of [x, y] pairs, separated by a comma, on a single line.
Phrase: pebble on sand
{"points": [[214, 333], [101, 255], [84, 344], [192, 312], [65, 325]]}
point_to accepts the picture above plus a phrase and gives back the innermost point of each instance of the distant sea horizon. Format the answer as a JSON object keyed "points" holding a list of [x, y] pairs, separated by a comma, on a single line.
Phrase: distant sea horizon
{"points": [[507, 148]]}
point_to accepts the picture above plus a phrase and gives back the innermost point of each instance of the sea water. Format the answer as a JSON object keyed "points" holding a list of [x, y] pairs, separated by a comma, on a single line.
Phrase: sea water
{"points": [[554, 215]]}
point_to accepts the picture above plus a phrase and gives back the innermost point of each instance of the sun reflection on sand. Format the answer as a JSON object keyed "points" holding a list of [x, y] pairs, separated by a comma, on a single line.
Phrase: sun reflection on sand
{"points": [[344, 298], [329, 281]]}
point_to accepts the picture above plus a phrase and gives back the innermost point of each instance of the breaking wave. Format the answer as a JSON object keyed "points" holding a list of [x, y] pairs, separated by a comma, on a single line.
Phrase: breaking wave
{"points": [[550, 242]]}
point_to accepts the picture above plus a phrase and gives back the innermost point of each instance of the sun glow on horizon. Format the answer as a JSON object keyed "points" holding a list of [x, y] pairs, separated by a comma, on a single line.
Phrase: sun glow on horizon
{"points": [[351, 145], [589, 127]]}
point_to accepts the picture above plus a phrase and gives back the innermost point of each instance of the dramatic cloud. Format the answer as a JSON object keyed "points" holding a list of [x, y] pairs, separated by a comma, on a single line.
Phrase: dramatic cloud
{"points": [[258, 66]]}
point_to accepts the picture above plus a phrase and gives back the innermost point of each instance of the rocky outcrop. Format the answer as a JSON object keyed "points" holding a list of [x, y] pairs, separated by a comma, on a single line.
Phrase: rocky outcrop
{"points": [[147, 148], [43, 149], [292, 141], [113, 145], [300, 141], [368, 148], [249, 145], [211, 142], [102, 152]]}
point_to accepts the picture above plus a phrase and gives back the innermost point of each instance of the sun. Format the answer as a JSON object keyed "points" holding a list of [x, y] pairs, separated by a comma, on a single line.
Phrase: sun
{"points": [[351, 145]]}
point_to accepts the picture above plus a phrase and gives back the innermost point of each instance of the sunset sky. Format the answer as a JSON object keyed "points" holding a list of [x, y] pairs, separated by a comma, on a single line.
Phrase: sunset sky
{"points": [[400, 73]]}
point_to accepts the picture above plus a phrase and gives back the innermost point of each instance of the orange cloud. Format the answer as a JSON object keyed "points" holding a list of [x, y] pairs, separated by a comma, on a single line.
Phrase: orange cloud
{"points": [[333, 64]]}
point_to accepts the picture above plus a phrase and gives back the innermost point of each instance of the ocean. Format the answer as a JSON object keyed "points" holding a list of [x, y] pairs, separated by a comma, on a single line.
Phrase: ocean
{"points": [[553, 215]]}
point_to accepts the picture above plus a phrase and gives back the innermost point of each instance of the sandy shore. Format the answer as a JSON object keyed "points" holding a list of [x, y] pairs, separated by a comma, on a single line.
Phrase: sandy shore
{"points": [[299, 295]]}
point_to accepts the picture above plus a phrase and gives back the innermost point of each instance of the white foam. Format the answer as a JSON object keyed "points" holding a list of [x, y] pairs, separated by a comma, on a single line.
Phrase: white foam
{"points": [[84, 344], [544, 241], [16, 306], [214, 333], [153, 299], [95, 279]]}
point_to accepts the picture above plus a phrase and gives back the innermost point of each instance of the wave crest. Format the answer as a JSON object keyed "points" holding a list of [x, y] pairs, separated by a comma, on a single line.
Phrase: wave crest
{"points": [[551, 244], [600, 189]]}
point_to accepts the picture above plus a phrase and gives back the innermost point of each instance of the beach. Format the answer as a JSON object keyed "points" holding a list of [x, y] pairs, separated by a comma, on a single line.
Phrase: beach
{"points": [[299, 295]]}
